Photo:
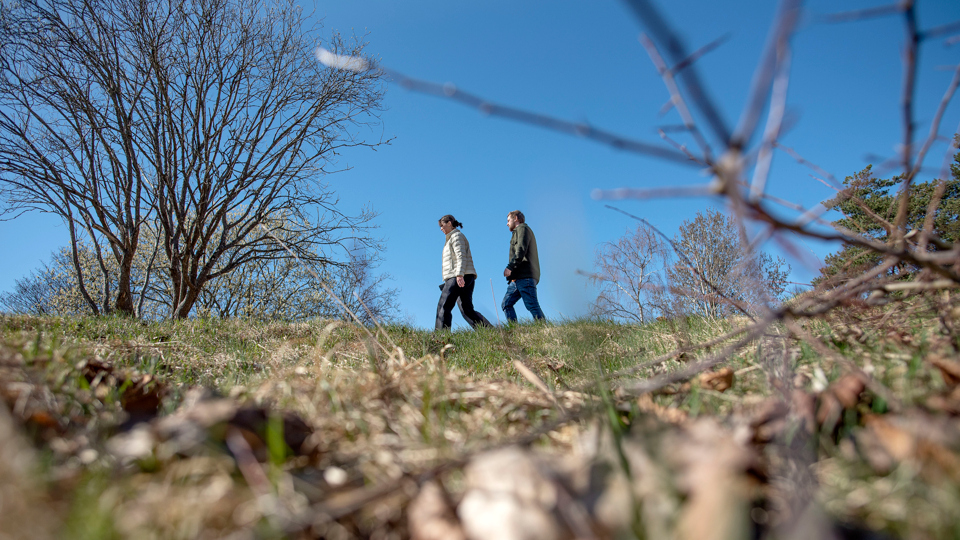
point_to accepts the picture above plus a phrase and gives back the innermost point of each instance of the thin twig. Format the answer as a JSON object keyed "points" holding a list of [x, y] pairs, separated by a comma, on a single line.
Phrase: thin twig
{"points": [[936, 285], [658, 382], [778, 107], [701, 190], [800, 159], [326, 288], [910, 53], [494, 296], [450, 91], [676, 98], [535, 380], [771, 63], [940, 30], [676, 352], [863, 14], [662, 32], [686, 260], [935, 124]]}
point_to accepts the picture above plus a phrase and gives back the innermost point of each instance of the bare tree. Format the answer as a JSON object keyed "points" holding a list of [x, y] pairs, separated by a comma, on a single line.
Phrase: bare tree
{"points": [[717, 275], [53, 289], [31, 295], [627, 272], [362, 291], [70, 113], [247, 121], [287, 289], [210, 117]]}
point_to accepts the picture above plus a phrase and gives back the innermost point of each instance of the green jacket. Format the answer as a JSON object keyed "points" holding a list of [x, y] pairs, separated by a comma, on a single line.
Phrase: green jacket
{"points": [[524, 262]]}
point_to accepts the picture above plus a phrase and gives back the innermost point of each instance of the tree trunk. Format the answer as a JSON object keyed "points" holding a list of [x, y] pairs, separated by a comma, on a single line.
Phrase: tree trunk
{"points": [[124, 303]]}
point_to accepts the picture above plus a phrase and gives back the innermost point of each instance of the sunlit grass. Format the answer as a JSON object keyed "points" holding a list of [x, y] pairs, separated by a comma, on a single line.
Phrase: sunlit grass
{"points": [[451, 393]]}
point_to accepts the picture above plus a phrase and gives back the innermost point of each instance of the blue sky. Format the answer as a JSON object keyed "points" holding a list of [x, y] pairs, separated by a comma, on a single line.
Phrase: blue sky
{"points": [[582, 61]]}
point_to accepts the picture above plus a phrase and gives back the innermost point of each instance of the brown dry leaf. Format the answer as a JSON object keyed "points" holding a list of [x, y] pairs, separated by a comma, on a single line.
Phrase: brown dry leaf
{"points": [[829, 410], [897, 442], [668, 414], [712, 470], [431, 517], [773, 417], [914, 438], [947, 402], [847, 389], [43, 419], [25, 511], [94, 368], [143, 397], [720, 380], [949, 369], [768, 420], [939, 459], [844, 393]]}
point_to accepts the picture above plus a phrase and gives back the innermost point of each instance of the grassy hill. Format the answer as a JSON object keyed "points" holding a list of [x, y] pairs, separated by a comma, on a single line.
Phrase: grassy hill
{"points": [[847, 423]]}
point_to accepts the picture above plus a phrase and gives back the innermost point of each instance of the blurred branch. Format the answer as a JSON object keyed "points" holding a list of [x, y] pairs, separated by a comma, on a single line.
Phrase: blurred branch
{"points": [[937, 118], [683, 148], [676, 98], [697, 54], [775, 117], [793, 153], [450, 91], [775, 60], [702, 190], [940, 30], [863, 14], [906, 101], [659, 381], [892, 402], [661, 31]]}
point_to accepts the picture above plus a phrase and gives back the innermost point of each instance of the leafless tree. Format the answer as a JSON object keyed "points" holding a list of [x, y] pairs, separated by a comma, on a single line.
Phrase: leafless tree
{"points": [[208, 117], [717, 275], [626, 271], [363, 292], [70, 112], [286, 289], [31, 295], [53, 289]]}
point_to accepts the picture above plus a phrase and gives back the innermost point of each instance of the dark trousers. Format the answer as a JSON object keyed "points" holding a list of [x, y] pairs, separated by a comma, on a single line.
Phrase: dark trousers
{"points": [[450, 294]]}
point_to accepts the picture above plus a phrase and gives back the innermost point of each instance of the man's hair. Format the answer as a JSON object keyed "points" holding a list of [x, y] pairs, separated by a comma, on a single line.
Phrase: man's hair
{"points": [[519, 215], [450, 219]]}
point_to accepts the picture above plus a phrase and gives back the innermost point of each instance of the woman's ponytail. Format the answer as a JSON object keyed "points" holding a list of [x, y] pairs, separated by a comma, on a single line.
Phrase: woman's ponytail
{"points": [[452, 220]]}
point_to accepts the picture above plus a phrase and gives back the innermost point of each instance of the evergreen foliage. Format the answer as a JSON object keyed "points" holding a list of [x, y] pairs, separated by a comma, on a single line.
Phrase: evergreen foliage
{"points": [[869, 206]]}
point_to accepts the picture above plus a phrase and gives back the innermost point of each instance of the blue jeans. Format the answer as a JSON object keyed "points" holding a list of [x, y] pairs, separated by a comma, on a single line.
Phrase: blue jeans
{"points": [[526, 289]]}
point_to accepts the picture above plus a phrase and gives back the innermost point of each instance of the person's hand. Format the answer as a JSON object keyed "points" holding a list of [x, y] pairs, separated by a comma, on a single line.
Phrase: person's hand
{"points": [[506, 272], [460, 281]]}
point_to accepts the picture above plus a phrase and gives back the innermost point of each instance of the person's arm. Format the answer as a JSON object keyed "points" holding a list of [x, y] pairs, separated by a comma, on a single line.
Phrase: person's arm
{"points": [[517, 251], [456, 243]]}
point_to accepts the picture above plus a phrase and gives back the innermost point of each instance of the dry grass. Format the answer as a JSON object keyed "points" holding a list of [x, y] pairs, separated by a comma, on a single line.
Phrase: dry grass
{"points": [[313, 430]]}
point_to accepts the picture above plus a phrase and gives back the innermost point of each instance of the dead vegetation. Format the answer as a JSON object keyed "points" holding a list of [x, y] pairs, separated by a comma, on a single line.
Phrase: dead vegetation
{"points": [[840, 425]]}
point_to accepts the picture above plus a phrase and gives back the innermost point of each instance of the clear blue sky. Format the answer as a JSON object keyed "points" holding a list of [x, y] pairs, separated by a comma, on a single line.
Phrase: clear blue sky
{"points": [[582, 61]]}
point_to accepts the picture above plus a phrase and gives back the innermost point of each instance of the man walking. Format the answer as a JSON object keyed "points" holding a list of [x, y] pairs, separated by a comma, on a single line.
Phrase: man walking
{"points": [[523, 269]]}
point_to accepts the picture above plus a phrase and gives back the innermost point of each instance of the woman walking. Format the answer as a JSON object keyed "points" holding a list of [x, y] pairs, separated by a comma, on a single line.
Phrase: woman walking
{"points": [[459, 276]]}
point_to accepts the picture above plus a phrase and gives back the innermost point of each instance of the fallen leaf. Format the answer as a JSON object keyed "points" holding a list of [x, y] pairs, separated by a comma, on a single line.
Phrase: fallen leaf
{"points": [[720, 380], [668, 414], [949, 369]]}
